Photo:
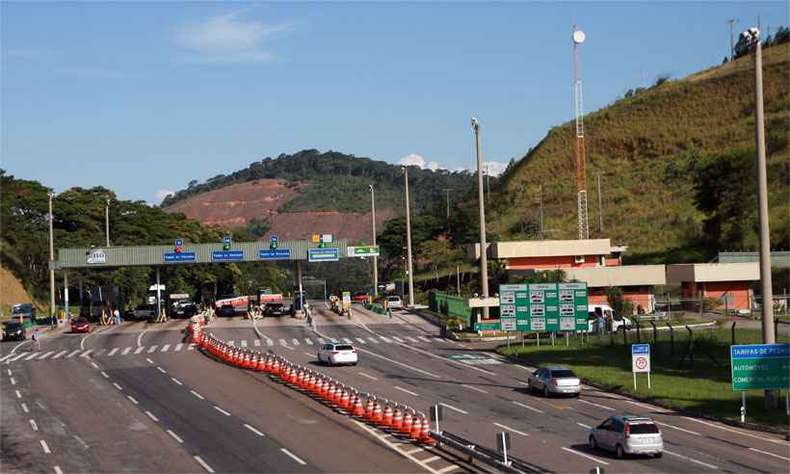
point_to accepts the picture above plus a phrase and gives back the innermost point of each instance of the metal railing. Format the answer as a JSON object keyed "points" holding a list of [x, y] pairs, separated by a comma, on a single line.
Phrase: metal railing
{"points": [[485, 455]]}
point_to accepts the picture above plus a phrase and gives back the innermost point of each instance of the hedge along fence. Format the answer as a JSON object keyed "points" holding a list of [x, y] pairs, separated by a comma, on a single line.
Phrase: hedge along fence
{"points": [[450, 306]]}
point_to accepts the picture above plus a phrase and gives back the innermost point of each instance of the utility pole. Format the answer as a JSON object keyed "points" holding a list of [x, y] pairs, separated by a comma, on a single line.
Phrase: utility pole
{"points": [[51, 261], [408, 238], [447, 192], [107, 222], [600, 204], [732, 22], [540, 204], [481, 202], [375, 258], [769, 336]]}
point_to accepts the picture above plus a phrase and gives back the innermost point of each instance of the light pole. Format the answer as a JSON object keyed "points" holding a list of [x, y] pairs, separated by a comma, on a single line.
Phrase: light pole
{"points": [[408, 238], [375, 258], [481, 202], [107, 222], [732, 22], [51, 261], [752, 37]]}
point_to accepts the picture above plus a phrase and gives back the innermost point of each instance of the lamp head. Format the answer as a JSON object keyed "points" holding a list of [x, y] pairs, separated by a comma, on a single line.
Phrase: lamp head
{"points": [[579, 37]]}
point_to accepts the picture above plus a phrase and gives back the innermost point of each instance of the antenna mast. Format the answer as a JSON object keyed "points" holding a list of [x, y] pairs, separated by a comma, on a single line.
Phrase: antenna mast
{"points": [[581, 149]]}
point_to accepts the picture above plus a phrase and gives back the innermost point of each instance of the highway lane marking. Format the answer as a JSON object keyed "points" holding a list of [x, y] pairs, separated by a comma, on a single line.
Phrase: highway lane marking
{"points": [[446, 405], [256, 342], [33, 424], [149, 360], [24, 407], [587, 427], [373, 340], [113, 351], [57, 470], [86, 353], [251, 428], [308, 341], [523, 405], [244, 343], [367, 376], [677, 428], [308, 354], [59, 354], [18, 395], [431, 459], [770, 454], [161, 369], [203, 463], [178, 382], [505, 427], [34, 354], [45, 447], [397, 339], [293, 456], [592, 458], [407, 391], [117, 386], [711, 466], [104, 374], [175, 436], [472, 387], [152, 348], [13, 381], [295, 341], [178, 347], [165, 348], [360, 340], [139, 350], [95, 365], [597, 405], [151, 416], [44, 356], [736, 431], [126, 351], [131, 399], [221, 410], [197, 394]]}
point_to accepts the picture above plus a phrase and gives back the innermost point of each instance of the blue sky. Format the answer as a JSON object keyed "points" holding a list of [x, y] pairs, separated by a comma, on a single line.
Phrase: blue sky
{"points": [[142, 97]]}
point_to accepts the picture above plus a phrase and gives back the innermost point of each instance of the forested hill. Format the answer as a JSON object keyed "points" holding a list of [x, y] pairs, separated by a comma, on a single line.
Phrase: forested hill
{"points": [[334, 181]]}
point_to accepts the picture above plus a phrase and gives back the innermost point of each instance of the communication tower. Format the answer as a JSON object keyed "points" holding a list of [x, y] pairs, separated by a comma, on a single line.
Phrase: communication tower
{"points": [[580, 152]]}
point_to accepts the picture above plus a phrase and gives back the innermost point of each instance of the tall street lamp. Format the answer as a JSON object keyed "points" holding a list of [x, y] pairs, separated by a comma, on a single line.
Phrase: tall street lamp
{"points": [[408, 238], [375, 258], [51, 261], [107, 221], [481, 203]]}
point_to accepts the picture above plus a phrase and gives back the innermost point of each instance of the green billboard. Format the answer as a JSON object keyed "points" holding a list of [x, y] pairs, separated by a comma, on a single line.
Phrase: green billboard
{"points": [[543, 307], [760, 366]]}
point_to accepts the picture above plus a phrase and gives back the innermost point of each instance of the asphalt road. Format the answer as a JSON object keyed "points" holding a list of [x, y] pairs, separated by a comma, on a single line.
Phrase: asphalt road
{"points": [[137, 398]]}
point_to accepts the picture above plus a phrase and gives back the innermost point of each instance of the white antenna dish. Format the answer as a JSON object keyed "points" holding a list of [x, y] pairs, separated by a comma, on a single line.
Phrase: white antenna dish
{"points": [[579, 37]]}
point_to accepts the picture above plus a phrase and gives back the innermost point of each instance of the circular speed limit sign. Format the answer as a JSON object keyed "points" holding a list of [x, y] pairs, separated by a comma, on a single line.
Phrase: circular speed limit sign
{"points": [[641, 362]]}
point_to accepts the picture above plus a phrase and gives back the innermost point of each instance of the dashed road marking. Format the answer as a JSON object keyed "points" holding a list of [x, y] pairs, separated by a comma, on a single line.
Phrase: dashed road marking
{"points": [[104, 374], [151, 416], [588, 427], [175, 436], [197, 394], [45, 355], [308, 354], [597, 405], [446, 469], [13, 381], [24, 407], [253, 429], [410, 339], [95, 365], [152, 348], [505, 427], [178, 347], [45, 447], [472, 387], [592, 458], [32, 355], [347, 340], [165, 348], [59, 355], [113, 351], [397, 339], [522, 405], [19, 356], [293, 456], [33, 424], [406, 391], [139, 349], [161, 369], [367, 376], [456, 409], [373, 340], [695, 461], [115, 384], [770, 454], [678, 428], [18, 395], [221, 410], [203, 463], [149, 360], [57, 470], [131, 399], [176, 381], [360, 340], [385, 339], [126, 351]]}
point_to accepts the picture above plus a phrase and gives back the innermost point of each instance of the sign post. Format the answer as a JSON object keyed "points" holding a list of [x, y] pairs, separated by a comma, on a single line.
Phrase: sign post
{"points": [[503, 444], [759, 367], [640, 361], [437, 415]]}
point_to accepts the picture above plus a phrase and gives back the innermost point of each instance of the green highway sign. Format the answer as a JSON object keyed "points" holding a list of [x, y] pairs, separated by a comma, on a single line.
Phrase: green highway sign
{"points": [[487, 326], [544, 307], [363, 251], [760, 366]]}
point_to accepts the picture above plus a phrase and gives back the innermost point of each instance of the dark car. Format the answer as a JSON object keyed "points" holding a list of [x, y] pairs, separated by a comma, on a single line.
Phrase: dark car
{"points": [[226, 310], [14, 332], [80, 325], [190, 310], [276, 309]]}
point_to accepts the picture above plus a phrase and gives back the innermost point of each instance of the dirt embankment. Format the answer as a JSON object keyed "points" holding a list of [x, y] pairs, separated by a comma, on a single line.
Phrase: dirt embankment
{"points": [[11, 290]]}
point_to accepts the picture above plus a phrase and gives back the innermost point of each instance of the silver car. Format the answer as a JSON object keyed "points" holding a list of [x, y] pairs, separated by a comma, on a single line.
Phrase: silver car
{"points": [[628, 435], [554, 380]]}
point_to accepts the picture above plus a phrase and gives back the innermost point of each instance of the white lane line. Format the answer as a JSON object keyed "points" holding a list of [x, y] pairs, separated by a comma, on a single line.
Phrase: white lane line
{"points": [[406, 391], [447, 469], [44, 356], [24, 407], [766, 453], [178, 347], [197, 394], [472, 387], [5, 357], [588, 427], [126, 351], [131, 399], [86, 353], [140, 338], [149, 360], [151, 416], [367, 376], [203, 463], [450, 361], [597, 405], [175, 436], [253, 429], [165, 348], [33, 424], [13, 381], [19, 356], [592, 458], [59, 355], [373, 340], [104, 374], [398, 339], [139, 349], [446, 405], [117, 386], [256, 342], [161, 369], [152, 348], [293, 456], [32, 355], [677, 428], [360, 340], [385, 339], [505, 427], [308, 354], [45, 447], [522, 405], [18, 395], [308, 341], [176, 381], [775, 441], [95, 365], [244, 343], [221, 410], [406, 366], [711, 466], [113, 351], [57, 469]]}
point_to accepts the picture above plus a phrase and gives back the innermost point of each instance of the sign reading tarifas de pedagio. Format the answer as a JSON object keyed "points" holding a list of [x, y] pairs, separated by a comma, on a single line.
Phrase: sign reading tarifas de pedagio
{"points": [[760, 366]]}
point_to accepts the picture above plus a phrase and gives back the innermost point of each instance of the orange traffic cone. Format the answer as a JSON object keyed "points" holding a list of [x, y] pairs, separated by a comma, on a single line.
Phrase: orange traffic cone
{"points": [[387, 418], [425, 434], [407, 423], [378, 415], [397, 419], [345, 400], [276, 367], [268, 367], [358, 410], [369, 408], [247, 363], [416, 429]]}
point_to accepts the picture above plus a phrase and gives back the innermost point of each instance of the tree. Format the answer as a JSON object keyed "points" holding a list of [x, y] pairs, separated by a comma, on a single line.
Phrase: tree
{"points": [[619, 305]]}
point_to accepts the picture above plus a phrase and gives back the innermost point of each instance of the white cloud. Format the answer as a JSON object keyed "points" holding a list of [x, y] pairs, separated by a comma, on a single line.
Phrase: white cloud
{"points": [[226, 37], [414, 159], [495, 168], [163, 193]]}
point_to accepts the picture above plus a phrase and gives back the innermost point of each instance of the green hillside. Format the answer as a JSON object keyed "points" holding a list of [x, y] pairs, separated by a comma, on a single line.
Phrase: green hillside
{"points": [[677, 162]]}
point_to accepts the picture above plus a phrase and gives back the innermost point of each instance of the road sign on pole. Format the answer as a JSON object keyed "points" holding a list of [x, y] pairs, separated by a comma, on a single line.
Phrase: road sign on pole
{"points": [[760, 367], [544, 307], [640, 361], [363, 251]]}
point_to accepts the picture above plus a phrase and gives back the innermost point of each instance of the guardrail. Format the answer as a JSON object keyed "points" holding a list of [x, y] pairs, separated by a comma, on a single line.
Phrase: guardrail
{"points": [[485, 455]]}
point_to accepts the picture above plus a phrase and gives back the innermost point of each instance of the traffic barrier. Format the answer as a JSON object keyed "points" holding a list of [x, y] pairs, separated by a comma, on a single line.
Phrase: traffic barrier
{"points": [[397, 419], [369, 407], [407, 423], [425, 433], [388, 415], [345, 399], [378, 415], [358, 410], [416, 429]]}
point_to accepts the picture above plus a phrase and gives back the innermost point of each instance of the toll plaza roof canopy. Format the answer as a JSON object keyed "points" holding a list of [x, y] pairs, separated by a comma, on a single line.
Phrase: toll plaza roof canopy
{"points": [[191, 253], [712, 272], [546, 248], [625, 275]]}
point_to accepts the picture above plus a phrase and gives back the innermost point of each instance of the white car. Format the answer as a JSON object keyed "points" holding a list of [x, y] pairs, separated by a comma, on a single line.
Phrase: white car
{"points": [[394, 302], [628, 435], [336, 354]]}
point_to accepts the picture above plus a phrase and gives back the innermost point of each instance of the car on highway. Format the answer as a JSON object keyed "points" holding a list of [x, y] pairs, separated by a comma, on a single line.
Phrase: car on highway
{"points": [[394, 302], [554, 380], [14, 331], [144, 311], [360, 297], [276, 309], [335, 354], [626, 435], [80, 325]]}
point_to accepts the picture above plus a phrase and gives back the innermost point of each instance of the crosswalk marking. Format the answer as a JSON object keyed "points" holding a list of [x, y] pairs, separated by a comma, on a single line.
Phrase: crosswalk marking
{"points": [[257, 342], [16, 357], [86, 353], [283, 343], [423, 338], [269, 342], [178, 347], [5, 357], [139, 350], [308, 341], [152, 348], [347, 340], [113, 351], [73, 353], [59, 355], [295, 341], [384, 339], [397, 339], [165, 348], [411, 339], [232, 343], [373, 340], [44, 356], [34, 354], [361, 341], [244, 343], [126, 351]]}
